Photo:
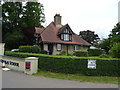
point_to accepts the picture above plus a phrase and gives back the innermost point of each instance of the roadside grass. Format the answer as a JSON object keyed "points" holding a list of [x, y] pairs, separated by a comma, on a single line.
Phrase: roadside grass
{"points": [[78, 77]]}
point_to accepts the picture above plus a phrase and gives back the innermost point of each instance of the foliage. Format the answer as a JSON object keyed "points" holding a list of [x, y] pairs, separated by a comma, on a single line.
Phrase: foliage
{"points": [[16, 17], [13, 37], [94, 52], [89, 36], [81, 53], [29, 49], [104, 56], [114, 37], [105, 44], [63, 52], [33, 14], [115, 50], [72, 65], [43, 52]]}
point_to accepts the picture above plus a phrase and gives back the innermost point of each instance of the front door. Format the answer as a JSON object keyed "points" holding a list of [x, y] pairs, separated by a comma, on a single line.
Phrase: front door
{"points": [[50, 48]]}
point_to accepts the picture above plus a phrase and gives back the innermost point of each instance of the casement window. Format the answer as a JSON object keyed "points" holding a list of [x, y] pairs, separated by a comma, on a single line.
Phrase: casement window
{"points": [[75, 47], [66, 37], [59, 47]]}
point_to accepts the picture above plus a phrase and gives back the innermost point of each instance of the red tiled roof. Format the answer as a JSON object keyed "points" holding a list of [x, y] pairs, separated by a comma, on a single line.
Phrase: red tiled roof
{"points": [[39, 30], [49, 34]]}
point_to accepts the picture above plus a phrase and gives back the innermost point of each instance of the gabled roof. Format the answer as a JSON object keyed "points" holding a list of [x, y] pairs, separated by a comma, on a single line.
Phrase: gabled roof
{"points": [[38, 30], [61, 30], [50, 35]]}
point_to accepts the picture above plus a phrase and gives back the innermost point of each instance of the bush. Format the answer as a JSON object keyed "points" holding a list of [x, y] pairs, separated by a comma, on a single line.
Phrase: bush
{"points": [[29, 49], [63, 64], [104, 56], [63, 52], [94, 52], [81, 53], [115, 50], [43, 52]]}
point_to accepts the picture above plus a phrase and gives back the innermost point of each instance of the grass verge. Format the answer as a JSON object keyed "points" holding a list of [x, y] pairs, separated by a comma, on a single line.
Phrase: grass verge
{"points": [[78, 77]]}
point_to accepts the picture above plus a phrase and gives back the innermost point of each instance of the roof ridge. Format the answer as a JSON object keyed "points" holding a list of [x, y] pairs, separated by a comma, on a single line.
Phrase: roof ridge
{"points": [[46, 27]]}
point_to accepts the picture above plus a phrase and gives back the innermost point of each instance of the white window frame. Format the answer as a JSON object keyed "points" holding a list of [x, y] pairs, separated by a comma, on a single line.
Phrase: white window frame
{"points": [[66, 37], [75, 47], [59, 47]]}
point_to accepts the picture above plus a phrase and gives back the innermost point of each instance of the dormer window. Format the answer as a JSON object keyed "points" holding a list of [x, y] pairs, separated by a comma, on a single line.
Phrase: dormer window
{"points": [[65, 33], [66, 37]]}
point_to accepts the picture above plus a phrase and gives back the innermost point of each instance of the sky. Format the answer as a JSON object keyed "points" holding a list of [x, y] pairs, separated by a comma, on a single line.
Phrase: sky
{"points": [[99, 16]]}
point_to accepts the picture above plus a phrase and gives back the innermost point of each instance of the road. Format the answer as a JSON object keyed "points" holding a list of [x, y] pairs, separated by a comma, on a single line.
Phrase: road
{"points": [[14, 79]]}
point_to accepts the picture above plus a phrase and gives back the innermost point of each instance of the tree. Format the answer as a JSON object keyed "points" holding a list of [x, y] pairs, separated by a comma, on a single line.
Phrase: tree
{"points": [[115, 34], [105, 44], [33, 16], [89, 36], [12, 39], [115, 50], [11, 24], [17, 17], [114, 37]]}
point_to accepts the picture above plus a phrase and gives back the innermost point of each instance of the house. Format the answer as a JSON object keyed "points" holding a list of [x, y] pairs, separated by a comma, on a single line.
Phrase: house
{"points": [[57, 37]]}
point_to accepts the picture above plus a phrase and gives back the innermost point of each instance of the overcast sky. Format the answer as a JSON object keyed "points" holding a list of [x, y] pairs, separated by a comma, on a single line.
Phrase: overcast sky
{"points": [[96, 15]]}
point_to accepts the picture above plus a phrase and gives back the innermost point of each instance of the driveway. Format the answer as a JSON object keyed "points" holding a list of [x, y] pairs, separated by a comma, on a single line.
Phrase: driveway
{"points": [[14, 79]]}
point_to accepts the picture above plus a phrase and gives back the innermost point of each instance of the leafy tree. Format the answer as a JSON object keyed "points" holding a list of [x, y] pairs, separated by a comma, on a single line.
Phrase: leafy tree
{"points": [[89, 36], [17, 18], [115, 34], [114, 37], [11, 24], [33, 16], [11, 16], [105, 44], [115, 50], [12, 39]]}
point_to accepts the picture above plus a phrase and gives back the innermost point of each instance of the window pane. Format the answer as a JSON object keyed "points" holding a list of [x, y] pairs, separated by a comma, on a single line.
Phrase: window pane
{"points": [[66, 37], [58, 46]]}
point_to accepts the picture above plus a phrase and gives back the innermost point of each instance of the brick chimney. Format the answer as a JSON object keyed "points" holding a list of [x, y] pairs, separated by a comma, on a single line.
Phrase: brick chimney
{"points": [[57, 20]]}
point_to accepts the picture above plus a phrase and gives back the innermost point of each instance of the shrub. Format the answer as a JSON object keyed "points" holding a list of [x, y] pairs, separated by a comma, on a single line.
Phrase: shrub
{"points": [[29, 49], [63, 52], [67, 64], [81, 53], [115, 50], [104, 56], [94, 52], [43, 52]]}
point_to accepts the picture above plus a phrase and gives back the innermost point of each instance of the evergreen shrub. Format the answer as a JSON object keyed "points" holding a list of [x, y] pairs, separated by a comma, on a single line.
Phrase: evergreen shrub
{"points": [[72, 65], [80, 53], [29, 49], [94, 52]]}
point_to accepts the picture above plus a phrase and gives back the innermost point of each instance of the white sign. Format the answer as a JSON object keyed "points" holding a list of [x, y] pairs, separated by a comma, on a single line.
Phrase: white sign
{"points": [[92, 64]]}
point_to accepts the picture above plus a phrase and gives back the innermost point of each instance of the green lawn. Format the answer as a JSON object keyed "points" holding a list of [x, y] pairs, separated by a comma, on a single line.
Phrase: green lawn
{"points": [[77, 77]]}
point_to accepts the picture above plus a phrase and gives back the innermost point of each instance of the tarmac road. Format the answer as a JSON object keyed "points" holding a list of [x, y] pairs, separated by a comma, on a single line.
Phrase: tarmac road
{"points": [[14, 79]]}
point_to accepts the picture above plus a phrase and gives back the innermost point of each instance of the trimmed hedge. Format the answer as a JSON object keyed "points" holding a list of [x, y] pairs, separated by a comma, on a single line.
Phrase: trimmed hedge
{"points": [[29, 49], [94, 52], [80, 53], [72, 65]]}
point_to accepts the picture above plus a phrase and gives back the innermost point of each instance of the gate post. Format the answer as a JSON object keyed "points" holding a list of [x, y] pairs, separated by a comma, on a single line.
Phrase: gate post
{"points": [[31, 65]]}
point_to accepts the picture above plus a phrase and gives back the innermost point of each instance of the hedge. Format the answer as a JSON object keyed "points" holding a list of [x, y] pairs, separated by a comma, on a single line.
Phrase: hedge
{"points": [[94, 52], [73, 65], [80, 53], [29, 49]]}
